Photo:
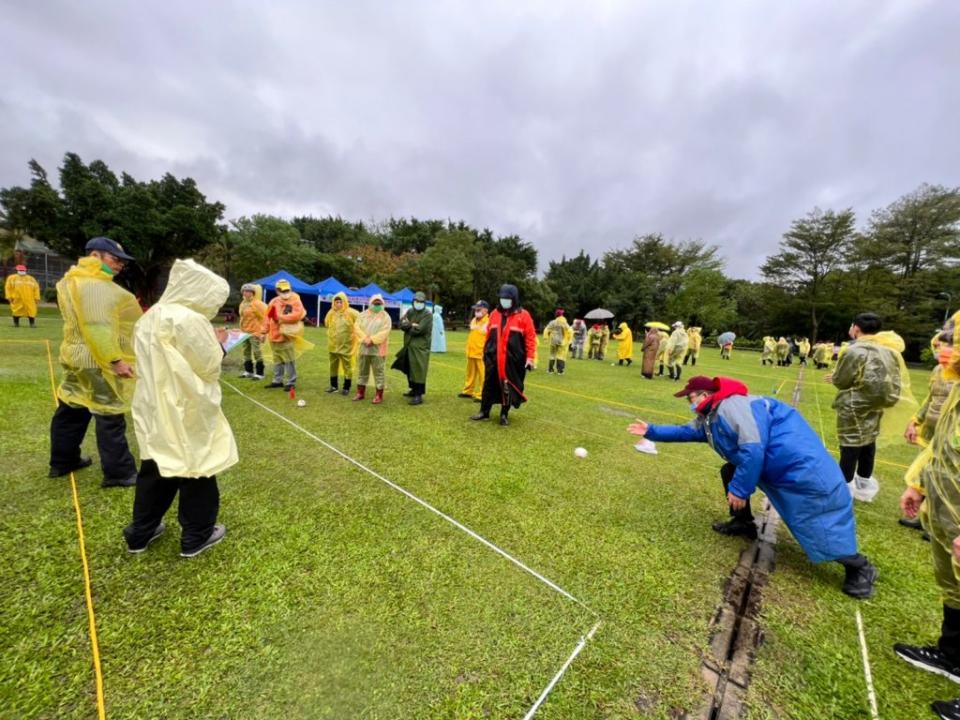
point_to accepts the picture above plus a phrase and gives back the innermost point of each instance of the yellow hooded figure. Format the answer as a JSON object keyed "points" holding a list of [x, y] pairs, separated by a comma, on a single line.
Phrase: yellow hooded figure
{"points": [[676, 349], [341, 342], [23, 293], [694, 340], [253, 311], [98, 319], [283, 328], [769, 350], [558, 335], [176, 404], [934, 493], [625, 348]]}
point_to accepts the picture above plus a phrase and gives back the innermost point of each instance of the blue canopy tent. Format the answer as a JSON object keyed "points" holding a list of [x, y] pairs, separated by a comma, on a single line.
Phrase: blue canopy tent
{"points": [[404, 296], [363, 295], [327, 289], [308, 293]]}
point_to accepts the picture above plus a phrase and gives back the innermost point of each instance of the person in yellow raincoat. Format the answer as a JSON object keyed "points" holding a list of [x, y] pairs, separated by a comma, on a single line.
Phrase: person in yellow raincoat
{"points": [[923, 423], [625, 348], [803, 349], [871, 379], [473, 382], [661, 358], [372, 334], [604, 340], [693, 346], [253, 311], [783, 352], [594, 337], [558, 334], [283, 327], [184, 437], [769, 350], [341, 341], [676, 349], [822, 355], [23, 293], [97, 359], [933, 493]]}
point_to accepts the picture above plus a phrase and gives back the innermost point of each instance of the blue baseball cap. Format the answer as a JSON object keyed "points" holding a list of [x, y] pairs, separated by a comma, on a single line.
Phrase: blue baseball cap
{"points": [[105, 244]]}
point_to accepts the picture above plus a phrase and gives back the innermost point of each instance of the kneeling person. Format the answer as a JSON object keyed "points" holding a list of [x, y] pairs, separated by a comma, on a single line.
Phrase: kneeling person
{"points": [[769, 445], [184, 438]]}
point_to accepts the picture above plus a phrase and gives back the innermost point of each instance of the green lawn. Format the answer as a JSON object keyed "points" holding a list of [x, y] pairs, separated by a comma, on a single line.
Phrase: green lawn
{"points": [[334, 596]]}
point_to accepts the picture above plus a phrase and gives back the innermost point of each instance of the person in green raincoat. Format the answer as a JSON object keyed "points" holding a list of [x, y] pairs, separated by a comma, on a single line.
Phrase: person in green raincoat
{"points": [[624, 337], [870, 377], [417, 326], [933, 493], [676, 349], [341, 342]]}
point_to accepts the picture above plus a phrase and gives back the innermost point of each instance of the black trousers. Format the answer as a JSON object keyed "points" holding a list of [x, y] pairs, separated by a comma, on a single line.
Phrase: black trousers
{"points": [[949, 642], [196, 513], [726, 474], [859, 460], [67, 429]]}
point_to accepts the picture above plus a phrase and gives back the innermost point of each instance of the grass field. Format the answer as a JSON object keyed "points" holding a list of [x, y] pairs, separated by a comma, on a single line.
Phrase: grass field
{"points": [[335, 596]]}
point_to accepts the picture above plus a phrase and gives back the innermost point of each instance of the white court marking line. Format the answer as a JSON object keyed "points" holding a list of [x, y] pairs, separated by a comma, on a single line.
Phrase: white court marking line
{"points": [[871, 695], [556, 678], [423, 503]]}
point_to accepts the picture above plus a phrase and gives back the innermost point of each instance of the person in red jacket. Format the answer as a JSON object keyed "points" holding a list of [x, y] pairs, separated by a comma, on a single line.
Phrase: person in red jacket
{"points": [[508, 353]]}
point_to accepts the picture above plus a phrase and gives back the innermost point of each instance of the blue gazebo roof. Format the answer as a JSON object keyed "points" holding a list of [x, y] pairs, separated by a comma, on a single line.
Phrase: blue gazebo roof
{"points": [[297, 285]]}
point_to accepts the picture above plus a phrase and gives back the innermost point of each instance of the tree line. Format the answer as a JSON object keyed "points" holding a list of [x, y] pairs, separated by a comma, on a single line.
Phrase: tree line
{"points": [[901, 263]]}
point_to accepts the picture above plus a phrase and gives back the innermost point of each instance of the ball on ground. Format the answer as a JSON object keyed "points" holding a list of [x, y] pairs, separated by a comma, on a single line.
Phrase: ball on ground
{"points": [[580, 452], [301, 403]]}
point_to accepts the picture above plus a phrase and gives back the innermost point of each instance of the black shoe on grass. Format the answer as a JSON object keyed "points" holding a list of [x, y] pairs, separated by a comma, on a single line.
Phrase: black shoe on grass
{"points": [[914, 523], [161, 528], [121, 482], [928, 658], [946, 709], [84, 462], [274, 385], [741, 528], [480, 416], [860, 585], [218, 534]]}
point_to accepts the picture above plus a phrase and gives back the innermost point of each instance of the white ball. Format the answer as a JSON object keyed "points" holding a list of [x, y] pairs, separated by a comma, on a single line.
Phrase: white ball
{"points": [[580, 452], [301, 403]]}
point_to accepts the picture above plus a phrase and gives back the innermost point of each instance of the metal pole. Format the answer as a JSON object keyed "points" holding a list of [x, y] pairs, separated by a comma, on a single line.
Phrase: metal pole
{"points": [[946, 311]]}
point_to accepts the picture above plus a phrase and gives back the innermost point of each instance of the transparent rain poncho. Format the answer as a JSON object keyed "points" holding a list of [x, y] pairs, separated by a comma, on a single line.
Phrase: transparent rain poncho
{"points": [[936, 473], [98, 320], [874, 401], [677, 346]]}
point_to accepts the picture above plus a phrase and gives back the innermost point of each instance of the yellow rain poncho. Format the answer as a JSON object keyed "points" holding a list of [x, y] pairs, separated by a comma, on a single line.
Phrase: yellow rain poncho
{"points": [[872, 382], [625, 338], [769, 349], [176, 404], [558, 336], [662, 348], [936, 474], [823, 353], [695, 340], [23, 294], [283, 327], [677, 347], [339, 324], [938, 391], [98, 319], [783, 350], [804, 347]]}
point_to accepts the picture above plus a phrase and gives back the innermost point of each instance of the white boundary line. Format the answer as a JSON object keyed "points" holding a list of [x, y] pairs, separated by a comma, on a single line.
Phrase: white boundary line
{"points": [[583, 641], [417, 500], [868, 676], [556, 678]]}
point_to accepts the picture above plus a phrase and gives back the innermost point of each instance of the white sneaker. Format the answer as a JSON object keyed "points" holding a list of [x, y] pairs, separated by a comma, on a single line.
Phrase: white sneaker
{"points": [[256, 377], [865, 489], [245, 374]]}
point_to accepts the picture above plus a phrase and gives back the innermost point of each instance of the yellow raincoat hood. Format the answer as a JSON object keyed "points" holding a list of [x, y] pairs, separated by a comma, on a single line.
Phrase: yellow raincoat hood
{"points": [[176, 403]]}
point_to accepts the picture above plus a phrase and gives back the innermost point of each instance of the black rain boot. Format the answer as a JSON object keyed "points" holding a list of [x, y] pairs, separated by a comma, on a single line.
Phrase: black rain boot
{"points": [[247, 369], [629, 362], [561, 367], [661, 370], [16, 321], [685, 358], [346, 387], [333, 384], [550, 366], [670, 369], [678, 373], [620, 362], [693, 361]]}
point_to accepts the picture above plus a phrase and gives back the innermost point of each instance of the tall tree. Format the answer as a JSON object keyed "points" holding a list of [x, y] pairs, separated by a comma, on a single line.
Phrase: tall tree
{"points": [[262, 244], [811, 249]]}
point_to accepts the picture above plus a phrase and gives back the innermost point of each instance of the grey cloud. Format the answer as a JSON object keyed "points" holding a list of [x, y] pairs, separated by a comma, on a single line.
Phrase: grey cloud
{"points": [[572, 125]]}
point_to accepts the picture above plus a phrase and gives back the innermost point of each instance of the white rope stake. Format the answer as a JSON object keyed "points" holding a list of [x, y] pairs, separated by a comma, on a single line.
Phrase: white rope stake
{"points": [[561, 671], [871, 695], [417, 500]]}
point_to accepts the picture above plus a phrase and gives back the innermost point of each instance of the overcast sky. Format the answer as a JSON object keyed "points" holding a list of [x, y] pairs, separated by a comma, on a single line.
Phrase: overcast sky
{"points": [[574, 125]]}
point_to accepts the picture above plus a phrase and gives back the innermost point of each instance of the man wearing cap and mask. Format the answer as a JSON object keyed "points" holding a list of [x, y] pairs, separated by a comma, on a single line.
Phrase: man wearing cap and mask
{"points": [[473, 383], [768, 445], [283, 327], [508, 353], [417, 326], [97, 360], [23, 293]]}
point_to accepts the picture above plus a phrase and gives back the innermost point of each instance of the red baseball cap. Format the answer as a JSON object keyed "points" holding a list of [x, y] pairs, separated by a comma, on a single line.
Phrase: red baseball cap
{"points": [[698, 383]]}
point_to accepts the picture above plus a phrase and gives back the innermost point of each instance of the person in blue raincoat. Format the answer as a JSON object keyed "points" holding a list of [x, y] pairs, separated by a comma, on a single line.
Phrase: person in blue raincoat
{"points": [[768, 445], [438, 338]]}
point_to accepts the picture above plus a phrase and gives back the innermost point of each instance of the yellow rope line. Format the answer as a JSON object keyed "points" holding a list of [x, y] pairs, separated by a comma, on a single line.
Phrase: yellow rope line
{"points": [[94, 643]]}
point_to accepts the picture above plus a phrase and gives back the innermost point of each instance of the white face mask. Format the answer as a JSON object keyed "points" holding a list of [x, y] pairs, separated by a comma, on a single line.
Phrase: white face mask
{"points": [[506, 303], [418, 306]]}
